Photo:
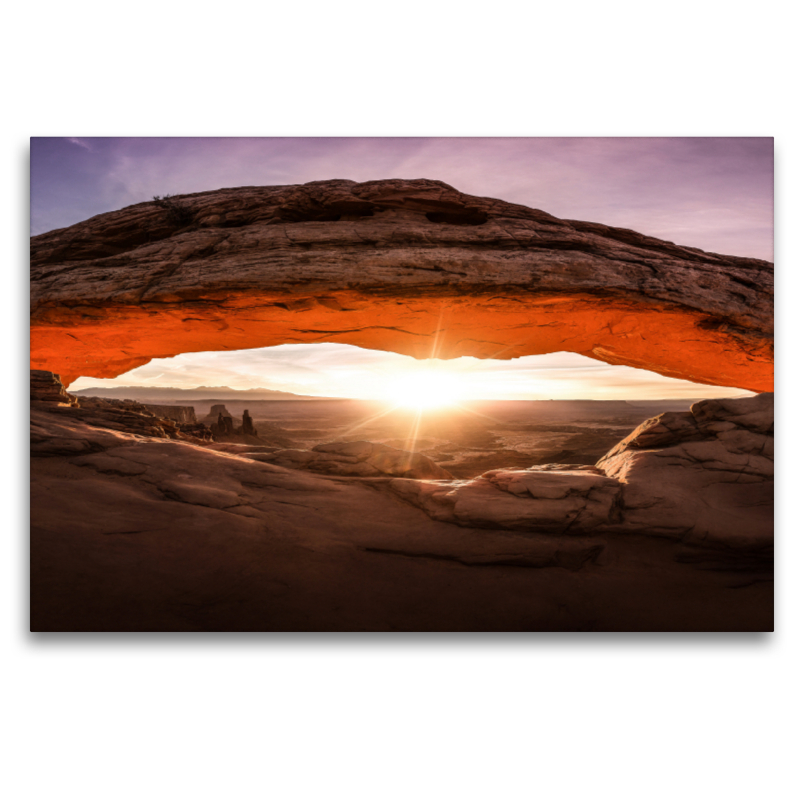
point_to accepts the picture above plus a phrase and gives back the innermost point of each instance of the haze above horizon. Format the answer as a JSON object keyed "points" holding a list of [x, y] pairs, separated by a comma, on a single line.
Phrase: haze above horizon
{"points": [[341, 370]]}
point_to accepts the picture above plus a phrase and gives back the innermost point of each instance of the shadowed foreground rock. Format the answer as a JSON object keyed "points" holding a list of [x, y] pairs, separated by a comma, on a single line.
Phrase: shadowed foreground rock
{"points": [[411, 266], [704, 476], [135, 532]]}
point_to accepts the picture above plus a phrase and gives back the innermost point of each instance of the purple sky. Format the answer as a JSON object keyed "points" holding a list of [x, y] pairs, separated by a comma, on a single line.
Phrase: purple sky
{"points": [[715, 194], [712, 193]]}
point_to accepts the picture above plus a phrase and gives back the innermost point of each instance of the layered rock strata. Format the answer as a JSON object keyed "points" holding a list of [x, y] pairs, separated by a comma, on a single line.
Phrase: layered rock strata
{"points": [[47, 390], [48, 393], [182, 414], [415, 267]]}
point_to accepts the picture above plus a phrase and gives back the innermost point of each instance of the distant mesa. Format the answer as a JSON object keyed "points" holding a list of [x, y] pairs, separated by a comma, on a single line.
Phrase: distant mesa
{"points": [[183, 414]]}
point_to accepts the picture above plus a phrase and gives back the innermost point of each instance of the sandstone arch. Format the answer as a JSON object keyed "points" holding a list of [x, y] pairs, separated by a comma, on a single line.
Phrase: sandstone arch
{"points": [[411, 266]]}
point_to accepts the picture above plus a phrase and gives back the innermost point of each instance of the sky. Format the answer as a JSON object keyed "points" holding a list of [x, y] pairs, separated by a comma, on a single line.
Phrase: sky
{"points": [[341, 370], [711, 193]]}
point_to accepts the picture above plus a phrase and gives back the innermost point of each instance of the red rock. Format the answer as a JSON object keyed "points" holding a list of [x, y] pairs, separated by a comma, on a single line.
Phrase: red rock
{"points": [[410, 266]]}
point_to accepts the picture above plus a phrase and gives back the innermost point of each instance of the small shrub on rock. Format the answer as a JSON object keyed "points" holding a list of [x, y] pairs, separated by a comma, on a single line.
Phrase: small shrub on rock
{"points": [[177, 212]]}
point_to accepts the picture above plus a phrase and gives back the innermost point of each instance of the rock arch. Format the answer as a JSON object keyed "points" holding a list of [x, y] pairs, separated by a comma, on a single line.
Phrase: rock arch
{"points": [[410, 266]]}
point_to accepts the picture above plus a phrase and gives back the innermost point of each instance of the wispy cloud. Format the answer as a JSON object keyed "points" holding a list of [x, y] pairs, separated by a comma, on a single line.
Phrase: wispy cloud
{"points": [[81, 143]]}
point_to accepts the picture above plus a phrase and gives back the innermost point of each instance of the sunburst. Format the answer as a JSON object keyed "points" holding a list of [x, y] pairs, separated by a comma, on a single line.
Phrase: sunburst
{"points": [[425, 390]]}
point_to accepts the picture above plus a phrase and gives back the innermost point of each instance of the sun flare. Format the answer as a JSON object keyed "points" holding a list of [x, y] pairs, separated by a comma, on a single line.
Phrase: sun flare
{"points": [[424, 390]]}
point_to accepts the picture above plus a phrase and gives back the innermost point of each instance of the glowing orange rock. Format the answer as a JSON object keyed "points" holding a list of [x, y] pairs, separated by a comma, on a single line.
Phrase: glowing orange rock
{"points": [[409, 266]]}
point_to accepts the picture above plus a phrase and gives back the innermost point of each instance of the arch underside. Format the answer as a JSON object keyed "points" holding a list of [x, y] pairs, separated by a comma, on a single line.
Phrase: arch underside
{"points": [[670, 341]]}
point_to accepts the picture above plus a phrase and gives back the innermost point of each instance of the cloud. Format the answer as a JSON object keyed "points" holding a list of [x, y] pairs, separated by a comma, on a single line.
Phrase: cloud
{"points": [[81, 143]]}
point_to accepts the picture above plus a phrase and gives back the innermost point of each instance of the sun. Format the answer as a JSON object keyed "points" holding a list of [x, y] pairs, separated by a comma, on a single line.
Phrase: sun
{"points": [[424, 390]]}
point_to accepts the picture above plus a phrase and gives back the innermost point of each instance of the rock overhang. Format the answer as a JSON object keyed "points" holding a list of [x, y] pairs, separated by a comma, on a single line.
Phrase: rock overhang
{"points": [[410, 266]]}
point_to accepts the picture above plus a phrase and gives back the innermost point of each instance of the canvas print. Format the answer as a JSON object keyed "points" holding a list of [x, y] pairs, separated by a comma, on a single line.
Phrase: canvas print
{"points": [[378, 384]]}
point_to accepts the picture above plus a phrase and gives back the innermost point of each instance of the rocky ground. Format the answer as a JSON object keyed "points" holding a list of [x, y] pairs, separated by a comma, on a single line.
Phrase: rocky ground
{"points": [[135, 530]]}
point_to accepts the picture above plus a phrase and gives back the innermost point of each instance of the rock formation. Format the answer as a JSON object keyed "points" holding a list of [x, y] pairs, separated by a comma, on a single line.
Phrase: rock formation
{"points": [[46, 388], [217, 410], [248, 429], [140, 522], [183, 414], [227, 428], [704, 477], [410, 266], [48, 393], [223, 426]]}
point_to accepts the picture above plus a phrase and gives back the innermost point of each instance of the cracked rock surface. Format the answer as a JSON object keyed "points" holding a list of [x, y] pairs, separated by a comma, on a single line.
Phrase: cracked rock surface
{"points": [[411, 266]]}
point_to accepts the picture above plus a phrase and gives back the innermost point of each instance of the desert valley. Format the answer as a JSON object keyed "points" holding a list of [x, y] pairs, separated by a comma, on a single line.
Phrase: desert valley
{"points": [[465, 439]]}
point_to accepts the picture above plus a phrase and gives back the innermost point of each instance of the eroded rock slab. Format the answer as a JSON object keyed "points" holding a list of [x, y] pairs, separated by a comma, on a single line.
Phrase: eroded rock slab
{"points": [[536, 499], [47, 389], [704, 477]]}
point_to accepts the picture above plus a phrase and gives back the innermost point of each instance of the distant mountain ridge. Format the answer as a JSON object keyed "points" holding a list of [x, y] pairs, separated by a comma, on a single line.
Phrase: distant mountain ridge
{"points": [[169, 393], [213, 394]]}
